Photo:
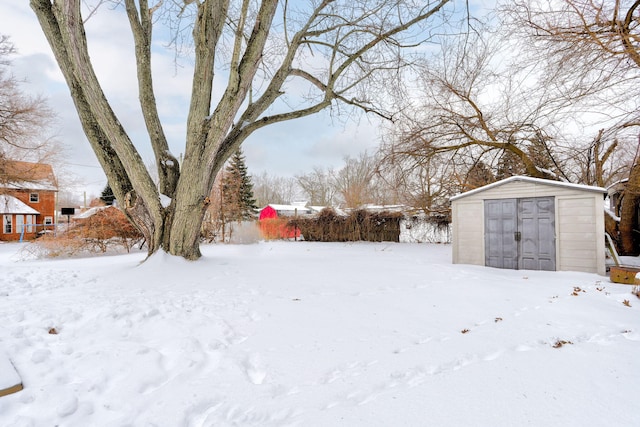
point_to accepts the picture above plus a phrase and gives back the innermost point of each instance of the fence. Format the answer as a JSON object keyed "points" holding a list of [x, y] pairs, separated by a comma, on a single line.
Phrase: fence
{"points": [[38, 229]]}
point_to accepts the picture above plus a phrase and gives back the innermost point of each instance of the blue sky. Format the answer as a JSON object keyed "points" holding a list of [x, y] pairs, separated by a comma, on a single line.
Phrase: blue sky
{"points": [[284, 149]]}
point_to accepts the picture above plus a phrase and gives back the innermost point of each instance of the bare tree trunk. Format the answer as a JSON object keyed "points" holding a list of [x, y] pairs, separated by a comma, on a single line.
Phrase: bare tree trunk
{"points": [[629, 229]]}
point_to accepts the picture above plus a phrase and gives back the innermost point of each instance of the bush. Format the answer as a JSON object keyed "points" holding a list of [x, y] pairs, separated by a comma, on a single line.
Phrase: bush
{"points": [[108, 230], [360, 225]]}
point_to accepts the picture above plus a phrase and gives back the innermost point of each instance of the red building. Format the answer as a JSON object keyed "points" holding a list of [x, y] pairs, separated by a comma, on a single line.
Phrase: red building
{"points": [[27, 199], [274, 220]]}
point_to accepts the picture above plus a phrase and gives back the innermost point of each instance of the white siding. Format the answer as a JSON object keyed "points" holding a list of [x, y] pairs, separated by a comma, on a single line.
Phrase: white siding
{"points": [[468, 232], [580, 234]]}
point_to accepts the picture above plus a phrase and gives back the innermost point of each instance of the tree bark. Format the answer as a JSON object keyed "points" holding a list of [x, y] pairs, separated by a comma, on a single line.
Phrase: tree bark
{"points": [[629, 228]]}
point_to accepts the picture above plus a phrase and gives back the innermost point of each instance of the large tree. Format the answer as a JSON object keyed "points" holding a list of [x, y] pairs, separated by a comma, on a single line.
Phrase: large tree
{"points": [[332, 49], [597, 42]]}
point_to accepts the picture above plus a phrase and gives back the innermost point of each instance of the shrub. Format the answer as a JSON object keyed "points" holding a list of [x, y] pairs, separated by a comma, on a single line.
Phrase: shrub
{"points": [[108, 229], [360, 225]]}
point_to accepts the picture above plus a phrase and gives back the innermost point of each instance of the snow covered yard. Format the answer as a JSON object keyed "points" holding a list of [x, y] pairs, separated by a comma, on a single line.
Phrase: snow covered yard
{"points": [[314, 334]]}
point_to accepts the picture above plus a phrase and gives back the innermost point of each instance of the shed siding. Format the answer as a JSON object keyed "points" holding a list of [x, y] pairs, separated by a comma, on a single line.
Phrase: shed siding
{"points": [[578, 234], [468, 232], [579, 224]]}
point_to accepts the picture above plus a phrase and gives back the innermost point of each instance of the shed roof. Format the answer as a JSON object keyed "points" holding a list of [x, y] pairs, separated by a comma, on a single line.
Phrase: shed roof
{"points": [[11, 205], [519, 178]]}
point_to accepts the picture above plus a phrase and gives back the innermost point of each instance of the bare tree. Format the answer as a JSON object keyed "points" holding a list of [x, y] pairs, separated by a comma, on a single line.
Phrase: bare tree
{"points": [[479, 111], [354, 182], [24, 120], [274, 189], [598, 42], [606, 160], [318, 187], [423, 183], [351, 44]]}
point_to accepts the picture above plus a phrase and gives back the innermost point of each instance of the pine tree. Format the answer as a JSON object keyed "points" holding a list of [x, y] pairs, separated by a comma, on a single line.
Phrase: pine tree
{"points": [[478, 175], [107, 196], [509, 165], [237, 191]]}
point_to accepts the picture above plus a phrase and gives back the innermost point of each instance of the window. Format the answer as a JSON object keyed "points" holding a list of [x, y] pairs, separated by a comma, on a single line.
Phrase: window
{"points": [[30, 222], [7, 224], [48, 220], [34, 197], [20, 224]]}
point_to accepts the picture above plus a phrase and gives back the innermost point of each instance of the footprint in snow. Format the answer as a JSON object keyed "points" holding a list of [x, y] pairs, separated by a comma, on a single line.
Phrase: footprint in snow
{"points": [[40, 356], [68, 407], [254, 369], [492, 356]]}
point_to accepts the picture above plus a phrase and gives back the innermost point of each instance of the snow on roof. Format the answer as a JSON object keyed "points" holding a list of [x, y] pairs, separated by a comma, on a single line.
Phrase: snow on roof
{"points": [[90, 212], [380, 208], [11, 205], [533, 181], [289, 208]]}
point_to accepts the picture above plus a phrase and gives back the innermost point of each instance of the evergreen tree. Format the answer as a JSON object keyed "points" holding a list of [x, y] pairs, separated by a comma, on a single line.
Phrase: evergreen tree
{"points": [[478, 175], [509, 165], [237, 191], [107, 196]]}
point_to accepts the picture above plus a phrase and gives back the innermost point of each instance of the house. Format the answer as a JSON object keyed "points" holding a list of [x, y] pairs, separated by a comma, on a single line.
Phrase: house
{"points": [[27, 199], [530, 223]]}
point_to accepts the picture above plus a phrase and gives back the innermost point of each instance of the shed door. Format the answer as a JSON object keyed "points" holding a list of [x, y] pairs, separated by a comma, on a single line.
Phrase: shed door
{"points": [[501, 224], [520, 233], [536, 223]]}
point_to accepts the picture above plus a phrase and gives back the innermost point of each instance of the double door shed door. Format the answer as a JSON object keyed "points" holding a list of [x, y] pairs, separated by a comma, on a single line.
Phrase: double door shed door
{"points": [[520, 233]]}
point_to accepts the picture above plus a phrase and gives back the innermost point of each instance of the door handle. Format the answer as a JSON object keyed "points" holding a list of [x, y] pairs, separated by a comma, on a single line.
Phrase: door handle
{"points": [[517, 236]]}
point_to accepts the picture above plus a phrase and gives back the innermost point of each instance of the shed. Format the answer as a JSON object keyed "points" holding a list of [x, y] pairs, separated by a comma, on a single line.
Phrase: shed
{"points": [[530, 223]]}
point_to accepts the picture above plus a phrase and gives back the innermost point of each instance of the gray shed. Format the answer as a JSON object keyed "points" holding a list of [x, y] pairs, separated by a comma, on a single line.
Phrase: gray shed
{"points": [[530, 223]]}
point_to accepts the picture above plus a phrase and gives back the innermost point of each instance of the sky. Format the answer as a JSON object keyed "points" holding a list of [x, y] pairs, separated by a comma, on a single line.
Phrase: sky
{"points": [[309, 334], [284, 149]]}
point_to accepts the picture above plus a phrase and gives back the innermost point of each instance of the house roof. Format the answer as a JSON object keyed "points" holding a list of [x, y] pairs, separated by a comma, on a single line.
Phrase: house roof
{"points": [[11, 205], [529, 179], [25, 175]]}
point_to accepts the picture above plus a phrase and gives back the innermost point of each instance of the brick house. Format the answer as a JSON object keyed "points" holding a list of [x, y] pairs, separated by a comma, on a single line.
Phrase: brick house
{"points": [[27, 199]]}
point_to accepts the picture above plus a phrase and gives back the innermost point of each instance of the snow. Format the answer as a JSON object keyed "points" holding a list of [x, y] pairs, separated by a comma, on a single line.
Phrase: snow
{"points": [[91, 212], [11, 205], [612, 215], [314, 334], [301, 209], [8, 375], [165, 201]]}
